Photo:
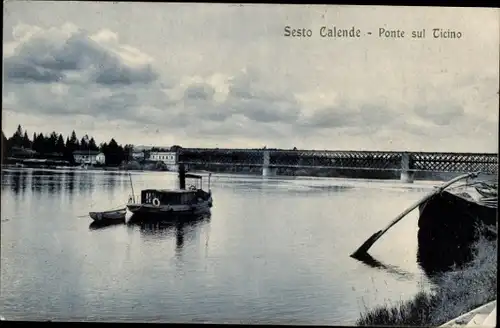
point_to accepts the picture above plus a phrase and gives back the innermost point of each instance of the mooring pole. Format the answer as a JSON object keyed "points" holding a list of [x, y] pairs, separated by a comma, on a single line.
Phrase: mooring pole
{"points": [[182, 176]]}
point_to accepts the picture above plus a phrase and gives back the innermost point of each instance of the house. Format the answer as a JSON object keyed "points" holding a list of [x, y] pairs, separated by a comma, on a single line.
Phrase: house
{"points": [[138, 155], [23, 152], [167, 157], [91, 157]]}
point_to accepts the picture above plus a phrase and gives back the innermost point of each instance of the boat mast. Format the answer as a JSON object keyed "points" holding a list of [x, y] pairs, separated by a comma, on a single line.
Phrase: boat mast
{"points": [[132, 187], [182, 177]]}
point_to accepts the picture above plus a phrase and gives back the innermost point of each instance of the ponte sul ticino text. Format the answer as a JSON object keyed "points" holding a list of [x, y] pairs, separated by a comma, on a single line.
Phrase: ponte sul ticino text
{"points": [[382, 32]]}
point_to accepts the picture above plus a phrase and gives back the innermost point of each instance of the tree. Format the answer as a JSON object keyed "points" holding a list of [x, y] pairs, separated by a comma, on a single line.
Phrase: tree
{"points": [[5, 148], [60, 147], [71, 146], [51, 141], [73, 141], [26, 143], [114, 153], [57, 143], [38, 144], [84, 144], [175, 148], [127, 152], [17, 137], [92, 144], [103, 147]]}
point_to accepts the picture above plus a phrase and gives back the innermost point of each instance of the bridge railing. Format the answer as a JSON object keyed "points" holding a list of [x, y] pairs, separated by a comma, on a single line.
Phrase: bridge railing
{"points": [[360, 160]]}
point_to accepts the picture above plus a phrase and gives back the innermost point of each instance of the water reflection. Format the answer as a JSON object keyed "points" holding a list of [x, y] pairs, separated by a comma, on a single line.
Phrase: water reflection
{"points": [[178, 228], [392, 269], [53, 186], [275, 185], [52, 182], [259, 268], [109, 182], [70, 177], [86, 182], [98, 225], [17, 180], [36, 183]]}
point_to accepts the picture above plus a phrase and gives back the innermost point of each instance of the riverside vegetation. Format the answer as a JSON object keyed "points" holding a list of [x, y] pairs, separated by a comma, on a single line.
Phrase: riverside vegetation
{"points": [[55, 146], [454, 293]]}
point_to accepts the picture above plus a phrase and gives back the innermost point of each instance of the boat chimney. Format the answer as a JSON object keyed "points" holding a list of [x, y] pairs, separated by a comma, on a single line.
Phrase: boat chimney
{"points": [[182, 176]]}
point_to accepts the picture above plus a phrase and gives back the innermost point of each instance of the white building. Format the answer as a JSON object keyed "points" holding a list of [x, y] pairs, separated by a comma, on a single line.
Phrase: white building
{"points": [[138, 155], [90, 157], [167, 157]]}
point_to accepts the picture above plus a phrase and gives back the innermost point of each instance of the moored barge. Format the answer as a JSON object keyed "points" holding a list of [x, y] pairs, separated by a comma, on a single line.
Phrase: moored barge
{"points": [[164, 204]]}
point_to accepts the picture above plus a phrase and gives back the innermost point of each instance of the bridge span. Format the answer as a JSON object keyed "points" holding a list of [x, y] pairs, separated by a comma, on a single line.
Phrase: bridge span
{"points": [[407, 163]]}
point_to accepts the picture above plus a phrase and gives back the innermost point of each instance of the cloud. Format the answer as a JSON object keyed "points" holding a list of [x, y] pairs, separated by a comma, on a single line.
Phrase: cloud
{"points": [[71, 55], [199, 92], [439, 114], [211, 75]]}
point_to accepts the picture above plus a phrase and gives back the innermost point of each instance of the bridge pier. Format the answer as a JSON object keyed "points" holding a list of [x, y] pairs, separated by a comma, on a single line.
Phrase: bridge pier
{"points": [[406, 175], [266, 170]]}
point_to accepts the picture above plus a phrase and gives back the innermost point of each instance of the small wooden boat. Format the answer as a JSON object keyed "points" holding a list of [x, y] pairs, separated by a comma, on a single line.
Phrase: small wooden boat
{"points": [[114, 215]]}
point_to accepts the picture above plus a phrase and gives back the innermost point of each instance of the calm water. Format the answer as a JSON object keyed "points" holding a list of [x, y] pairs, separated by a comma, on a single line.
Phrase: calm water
{"points": [[274, 250]]}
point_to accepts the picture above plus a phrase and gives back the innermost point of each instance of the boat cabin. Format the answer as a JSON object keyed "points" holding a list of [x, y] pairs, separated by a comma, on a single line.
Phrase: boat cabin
{"points": [[193, 194], [197, 181], [158, 197]]}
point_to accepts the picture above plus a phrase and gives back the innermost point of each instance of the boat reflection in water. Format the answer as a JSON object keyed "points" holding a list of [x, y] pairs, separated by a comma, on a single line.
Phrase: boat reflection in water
{"points": [[165, 226], [97, 225], [368, 260], [171, 227]]}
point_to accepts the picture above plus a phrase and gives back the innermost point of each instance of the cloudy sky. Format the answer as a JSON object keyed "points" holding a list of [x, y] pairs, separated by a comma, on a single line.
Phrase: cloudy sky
{"points": [[219, 75]]}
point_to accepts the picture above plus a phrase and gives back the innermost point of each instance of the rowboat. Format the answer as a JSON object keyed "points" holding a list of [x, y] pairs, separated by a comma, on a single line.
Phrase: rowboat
{"points": [[114, 215]]}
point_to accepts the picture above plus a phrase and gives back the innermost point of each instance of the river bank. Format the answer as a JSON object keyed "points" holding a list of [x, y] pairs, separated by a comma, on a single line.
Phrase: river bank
{"points": [[231, 169], [130, 166], [325, 172], [455, 292]]}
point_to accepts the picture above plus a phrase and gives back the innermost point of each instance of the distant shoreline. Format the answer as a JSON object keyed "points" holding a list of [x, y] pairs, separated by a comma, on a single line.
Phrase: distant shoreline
{"points": [[251, 171]]}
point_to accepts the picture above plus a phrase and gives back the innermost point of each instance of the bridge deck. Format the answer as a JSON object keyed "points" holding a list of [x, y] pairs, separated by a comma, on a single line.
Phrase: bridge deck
{"points": [[330, 159]]}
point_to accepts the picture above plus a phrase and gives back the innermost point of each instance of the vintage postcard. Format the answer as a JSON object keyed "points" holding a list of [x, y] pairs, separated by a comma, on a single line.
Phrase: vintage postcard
{"points": [[253, 164]]}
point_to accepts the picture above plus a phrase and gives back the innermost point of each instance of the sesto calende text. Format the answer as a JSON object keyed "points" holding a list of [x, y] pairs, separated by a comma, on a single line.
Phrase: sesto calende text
{"points": [[382, 32]]}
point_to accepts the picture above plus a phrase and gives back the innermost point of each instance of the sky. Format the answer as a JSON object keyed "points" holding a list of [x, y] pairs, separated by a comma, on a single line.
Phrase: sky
{"points": [[222, 75]]}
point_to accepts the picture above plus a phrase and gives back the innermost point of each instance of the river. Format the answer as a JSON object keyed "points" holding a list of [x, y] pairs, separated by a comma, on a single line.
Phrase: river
{"points": [[275, 250]]}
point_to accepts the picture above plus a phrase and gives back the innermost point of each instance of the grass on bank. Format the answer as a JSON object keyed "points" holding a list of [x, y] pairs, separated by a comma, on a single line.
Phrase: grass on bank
{"points": [[457, 292]]}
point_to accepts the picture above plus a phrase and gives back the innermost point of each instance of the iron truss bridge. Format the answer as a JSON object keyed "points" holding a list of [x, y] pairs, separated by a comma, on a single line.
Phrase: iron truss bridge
{"points": [[359, 160]]}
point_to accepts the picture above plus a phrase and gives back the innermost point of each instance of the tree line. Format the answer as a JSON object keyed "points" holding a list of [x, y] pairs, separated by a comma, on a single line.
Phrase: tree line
{"points": [[54, 145]]}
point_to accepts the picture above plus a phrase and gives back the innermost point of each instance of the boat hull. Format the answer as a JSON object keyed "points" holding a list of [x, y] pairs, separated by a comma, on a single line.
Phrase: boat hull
{"points": [[447, 228], [118, 215], [148, 212]]}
